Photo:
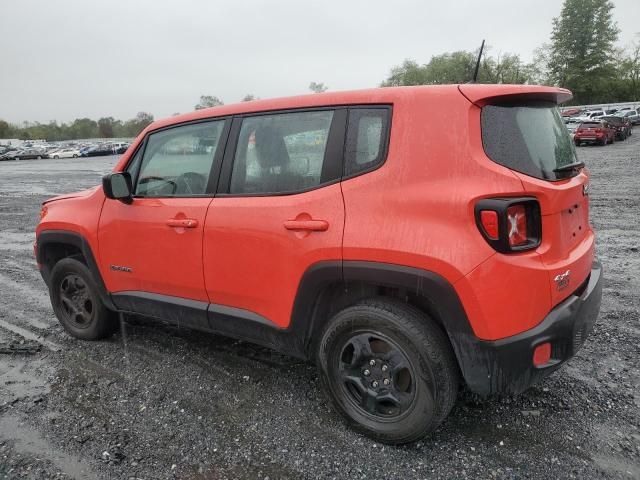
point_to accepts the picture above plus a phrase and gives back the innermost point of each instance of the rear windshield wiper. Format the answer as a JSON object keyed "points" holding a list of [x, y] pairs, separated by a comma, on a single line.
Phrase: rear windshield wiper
{"points": [[569, 167]]}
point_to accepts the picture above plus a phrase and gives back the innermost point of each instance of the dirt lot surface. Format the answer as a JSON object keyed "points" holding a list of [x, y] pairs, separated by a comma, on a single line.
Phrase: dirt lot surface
{"points": [[160, 402]]}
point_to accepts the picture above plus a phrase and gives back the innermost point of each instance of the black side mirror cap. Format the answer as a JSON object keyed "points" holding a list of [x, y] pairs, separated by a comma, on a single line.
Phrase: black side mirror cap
{"points": [[118, 186]]}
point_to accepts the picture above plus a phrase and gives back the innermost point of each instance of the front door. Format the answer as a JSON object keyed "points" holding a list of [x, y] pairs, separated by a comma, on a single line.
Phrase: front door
{"points": [[152, 247], [279, 210]]}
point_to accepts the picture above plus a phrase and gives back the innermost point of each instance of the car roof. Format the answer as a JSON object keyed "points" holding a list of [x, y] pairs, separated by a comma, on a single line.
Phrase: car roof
{"points": [[386, 95]]}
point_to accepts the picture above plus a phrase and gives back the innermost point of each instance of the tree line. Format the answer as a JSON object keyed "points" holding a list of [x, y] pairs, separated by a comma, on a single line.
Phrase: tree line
{"points": [[106, 127]]}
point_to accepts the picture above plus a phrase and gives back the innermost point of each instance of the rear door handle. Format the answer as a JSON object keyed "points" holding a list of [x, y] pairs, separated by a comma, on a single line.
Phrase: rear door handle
{"points": [[309, 225], [183, 222]]}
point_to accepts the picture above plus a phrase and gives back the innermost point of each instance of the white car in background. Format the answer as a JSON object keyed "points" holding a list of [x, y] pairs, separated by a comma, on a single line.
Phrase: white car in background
{"points": [[65, 153]]}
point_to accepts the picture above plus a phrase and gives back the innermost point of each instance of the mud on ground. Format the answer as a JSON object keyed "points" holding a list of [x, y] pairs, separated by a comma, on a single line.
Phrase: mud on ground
{"points": [[162, 402]]}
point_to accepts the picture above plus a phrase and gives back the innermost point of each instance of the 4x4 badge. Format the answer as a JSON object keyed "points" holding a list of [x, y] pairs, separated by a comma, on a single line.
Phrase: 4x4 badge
{"points": [[562, 280]]}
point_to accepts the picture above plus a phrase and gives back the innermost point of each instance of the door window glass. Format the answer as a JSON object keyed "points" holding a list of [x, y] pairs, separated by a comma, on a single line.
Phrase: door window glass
{"points": [[178, 161], [281, 153], [366, 139]]}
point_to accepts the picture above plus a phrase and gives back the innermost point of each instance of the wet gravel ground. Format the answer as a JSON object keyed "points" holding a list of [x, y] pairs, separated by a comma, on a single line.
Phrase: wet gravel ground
{"points": [[162, 402]]}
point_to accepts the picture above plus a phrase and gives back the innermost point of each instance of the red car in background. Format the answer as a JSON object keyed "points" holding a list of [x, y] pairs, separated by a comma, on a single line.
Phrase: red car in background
{"points": [[597, 131]]}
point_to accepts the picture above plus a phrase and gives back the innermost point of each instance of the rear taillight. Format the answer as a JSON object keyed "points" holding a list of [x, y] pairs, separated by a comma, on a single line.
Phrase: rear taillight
{"points": [[517, 225], [509, 224], [489, 220]]}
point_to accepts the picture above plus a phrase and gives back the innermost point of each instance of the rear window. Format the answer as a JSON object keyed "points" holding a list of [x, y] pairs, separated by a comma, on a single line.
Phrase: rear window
{"points": [[529, 139], [591, 125]]}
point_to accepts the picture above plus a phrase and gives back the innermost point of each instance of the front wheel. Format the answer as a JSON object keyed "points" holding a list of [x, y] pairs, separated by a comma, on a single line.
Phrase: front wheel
{"points": [[389, 370], [76, 303]]}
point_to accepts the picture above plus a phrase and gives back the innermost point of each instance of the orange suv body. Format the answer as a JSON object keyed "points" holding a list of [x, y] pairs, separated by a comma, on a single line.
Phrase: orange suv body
{"points": [[265, 220]]}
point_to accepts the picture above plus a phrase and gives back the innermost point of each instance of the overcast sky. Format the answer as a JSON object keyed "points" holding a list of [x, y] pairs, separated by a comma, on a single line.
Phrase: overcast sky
{"points": [[74, 58]]}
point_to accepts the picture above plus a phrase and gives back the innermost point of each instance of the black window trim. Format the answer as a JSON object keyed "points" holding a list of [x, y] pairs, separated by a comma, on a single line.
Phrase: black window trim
{"points": [[386, 136], [214, 173], [333, 155], [220, 178]]}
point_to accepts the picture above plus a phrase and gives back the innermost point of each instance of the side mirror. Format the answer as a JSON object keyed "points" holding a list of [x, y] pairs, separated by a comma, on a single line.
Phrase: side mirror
{"points": [[117, 186]]}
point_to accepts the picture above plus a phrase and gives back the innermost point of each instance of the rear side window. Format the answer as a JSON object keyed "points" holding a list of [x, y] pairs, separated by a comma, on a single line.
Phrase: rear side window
{"points": [[281, 153], [529, 139], [367, 135]]}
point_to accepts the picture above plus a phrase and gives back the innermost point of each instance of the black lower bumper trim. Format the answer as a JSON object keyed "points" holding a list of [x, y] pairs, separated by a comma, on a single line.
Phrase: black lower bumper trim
{"points": [[506, 365]]}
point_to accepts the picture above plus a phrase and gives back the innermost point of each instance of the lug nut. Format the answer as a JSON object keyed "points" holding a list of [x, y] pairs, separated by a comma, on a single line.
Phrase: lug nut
{"points": [[374, 384], [384, 368], [386, 381], [366, 373], [372, 362]]}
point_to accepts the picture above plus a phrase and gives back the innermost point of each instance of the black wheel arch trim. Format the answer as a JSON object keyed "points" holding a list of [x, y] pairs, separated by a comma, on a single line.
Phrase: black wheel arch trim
{"points": [[74, 239]]}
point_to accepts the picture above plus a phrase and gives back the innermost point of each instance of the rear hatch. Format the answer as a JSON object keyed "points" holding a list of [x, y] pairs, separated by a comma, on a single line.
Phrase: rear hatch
{"points": [[524, 132], [588, 130]]}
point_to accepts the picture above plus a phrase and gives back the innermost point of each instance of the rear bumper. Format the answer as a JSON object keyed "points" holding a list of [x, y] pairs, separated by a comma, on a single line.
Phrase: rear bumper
{"points": [[506, 365]]}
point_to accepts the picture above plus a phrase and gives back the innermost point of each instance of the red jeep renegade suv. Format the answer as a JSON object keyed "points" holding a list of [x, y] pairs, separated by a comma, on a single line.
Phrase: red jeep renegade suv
{"points": [[402, 255]]}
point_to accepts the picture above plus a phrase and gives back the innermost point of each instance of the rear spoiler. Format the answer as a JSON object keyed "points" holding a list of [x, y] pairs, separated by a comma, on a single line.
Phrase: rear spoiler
{"points": [[481, 95]]}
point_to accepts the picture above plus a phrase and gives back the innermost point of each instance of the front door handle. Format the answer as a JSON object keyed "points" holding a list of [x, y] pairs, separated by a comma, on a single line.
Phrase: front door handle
{"points": [[182, 222], [308, 225]]}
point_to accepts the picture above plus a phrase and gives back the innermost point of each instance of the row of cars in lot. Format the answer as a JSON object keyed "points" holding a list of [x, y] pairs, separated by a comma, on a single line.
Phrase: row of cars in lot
{"points": [[29, 151], [601, 127]]}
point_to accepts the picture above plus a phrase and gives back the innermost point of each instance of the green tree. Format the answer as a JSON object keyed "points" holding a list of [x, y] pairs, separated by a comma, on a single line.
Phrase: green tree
{"points": [[105, 127], [582, 52], [318, 87], [6, 131], [629, 70], [458, 67], [207, 101]]}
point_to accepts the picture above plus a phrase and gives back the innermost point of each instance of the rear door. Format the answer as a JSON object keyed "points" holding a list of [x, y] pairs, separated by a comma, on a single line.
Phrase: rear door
{"points": [[530, 139], [278, 211], [152, 247]]}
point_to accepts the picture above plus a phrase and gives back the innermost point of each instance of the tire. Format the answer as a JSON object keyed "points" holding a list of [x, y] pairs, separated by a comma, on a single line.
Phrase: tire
{"points": [[410, 353], [578, 144], [56, 157], [38, 157], [76, 303], [75, 156]]}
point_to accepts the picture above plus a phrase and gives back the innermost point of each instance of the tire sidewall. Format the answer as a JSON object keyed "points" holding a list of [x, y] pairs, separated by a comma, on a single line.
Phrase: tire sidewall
{"points": [[63, 268], [425, 413]]}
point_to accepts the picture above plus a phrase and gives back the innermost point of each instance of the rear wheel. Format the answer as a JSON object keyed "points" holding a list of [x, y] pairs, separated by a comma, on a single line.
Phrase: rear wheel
{"points": [[389, 370], [76, 303]]}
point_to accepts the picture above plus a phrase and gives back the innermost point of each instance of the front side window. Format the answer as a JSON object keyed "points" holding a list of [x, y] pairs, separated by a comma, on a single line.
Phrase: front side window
{"points": [[177, 162], [281, 153], [366, 139]]}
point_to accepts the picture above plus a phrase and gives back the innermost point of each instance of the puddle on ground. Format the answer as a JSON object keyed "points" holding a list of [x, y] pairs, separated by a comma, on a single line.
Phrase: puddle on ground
{"points": [[29, 441]]}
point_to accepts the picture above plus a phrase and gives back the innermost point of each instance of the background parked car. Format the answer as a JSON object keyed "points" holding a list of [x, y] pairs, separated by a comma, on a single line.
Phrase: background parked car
{"points": [[64, 153], [597, 132], [29, 154], [98, 151], [622, 126], [632, 115]]}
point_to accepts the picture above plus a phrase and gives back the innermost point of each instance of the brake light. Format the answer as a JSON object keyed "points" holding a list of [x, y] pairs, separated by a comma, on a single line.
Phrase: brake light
{"points": [[509, 224], [489, 220], [517, 225]]}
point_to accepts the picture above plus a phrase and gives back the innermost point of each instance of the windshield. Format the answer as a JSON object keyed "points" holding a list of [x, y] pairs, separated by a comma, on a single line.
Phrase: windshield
{"points": [[528, 138]]}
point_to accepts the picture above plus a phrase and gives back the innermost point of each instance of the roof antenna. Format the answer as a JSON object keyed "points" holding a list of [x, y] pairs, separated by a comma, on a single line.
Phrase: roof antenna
{"points": [[475, 73]]}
